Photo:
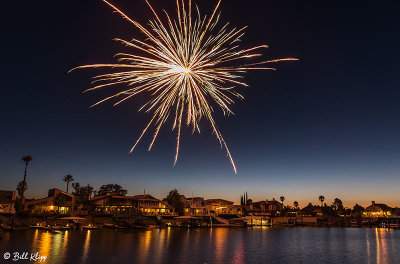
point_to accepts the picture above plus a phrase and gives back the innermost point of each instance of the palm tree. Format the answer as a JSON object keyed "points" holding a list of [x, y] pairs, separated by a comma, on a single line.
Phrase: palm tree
{"points": [[68, 178], [337, 204], [296, 205], [22, 189], [282, 199], [322, 199]]}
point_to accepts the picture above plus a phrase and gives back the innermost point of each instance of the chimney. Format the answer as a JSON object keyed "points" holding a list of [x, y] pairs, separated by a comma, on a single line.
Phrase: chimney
{"points": [[373, 202]]}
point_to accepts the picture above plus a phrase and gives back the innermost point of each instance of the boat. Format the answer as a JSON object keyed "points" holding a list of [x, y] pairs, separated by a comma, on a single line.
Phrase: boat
{"points": [[41, 226], [140, 227], [7, 228], [90, 227], [187, 221], [107, 225], [67, 223]]}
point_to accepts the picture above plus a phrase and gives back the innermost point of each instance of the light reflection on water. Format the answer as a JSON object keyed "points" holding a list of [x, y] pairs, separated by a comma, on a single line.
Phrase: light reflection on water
{"points": [[216, 245], [86, 247], [44, 244]]}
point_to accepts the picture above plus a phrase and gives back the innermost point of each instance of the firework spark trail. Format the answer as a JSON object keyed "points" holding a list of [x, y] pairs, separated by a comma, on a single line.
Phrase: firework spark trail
{"points": [[187, 64]]}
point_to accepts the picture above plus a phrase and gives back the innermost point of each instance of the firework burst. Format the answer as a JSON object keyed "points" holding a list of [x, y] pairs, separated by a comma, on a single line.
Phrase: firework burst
{"points": [[186, 65]]}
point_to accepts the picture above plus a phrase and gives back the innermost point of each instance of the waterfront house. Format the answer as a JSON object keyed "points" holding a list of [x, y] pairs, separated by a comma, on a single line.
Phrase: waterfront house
{"points": [[57, 201], [393, 220], [257, 220], [376, 210], [237, 209], [219, 206], [297, 220], [285, 220], [194, 205], [395, 212], [309, 220], [311, 210], [7, 202], [273, 207], [260, 208], [116, 204], [149, 205]]}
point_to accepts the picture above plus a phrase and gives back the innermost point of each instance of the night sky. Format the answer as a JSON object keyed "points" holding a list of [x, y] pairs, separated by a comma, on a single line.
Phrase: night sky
{"points": [[328, 124]]}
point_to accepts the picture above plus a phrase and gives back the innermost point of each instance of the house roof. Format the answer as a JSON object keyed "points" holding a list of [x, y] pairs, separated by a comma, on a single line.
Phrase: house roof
{"points": [[7, 196], [195, 198], [112, 195], [396, 211], [135, 197], [149, 197], [144, 197], [377, 207], [273, 202], [36, 201], [62, 192], [222, 201], [309, 209]]}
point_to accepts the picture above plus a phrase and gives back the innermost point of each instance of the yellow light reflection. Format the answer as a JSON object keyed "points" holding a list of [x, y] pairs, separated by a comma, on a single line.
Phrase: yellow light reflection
{"points": [[86, 247], [144, 246], [64, 244], [378, 247], [220, 238], [56, 244], [383, 238], [45, 244], [162, 244]]}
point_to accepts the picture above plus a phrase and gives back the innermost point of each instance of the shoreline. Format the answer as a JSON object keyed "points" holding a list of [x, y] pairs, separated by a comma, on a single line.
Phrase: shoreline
{"points": [[190, 222]]}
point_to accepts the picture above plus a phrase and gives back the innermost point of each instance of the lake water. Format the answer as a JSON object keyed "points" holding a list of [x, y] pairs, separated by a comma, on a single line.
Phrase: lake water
{"points": [[218, 245]]}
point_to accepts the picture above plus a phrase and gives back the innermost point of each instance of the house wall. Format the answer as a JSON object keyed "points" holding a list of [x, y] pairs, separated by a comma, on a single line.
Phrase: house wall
{"points": [[46, 205], [220, 208], [131, 205], [7, 208]]}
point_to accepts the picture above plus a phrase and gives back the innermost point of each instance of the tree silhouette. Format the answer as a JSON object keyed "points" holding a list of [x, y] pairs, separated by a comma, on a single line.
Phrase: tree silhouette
{"points": [[337, 205], [111, 188], [68, 178], [22, 190], [282, 199], [358, 211], [321, 198], [21, 187], [82, 195], [59, 201], [174, 199]]}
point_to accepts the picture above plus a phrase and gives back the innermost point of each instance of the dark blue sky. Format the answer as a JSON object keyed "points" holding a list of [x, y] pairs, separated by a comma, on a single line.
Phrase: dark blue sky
{"points": [[328, 124]]}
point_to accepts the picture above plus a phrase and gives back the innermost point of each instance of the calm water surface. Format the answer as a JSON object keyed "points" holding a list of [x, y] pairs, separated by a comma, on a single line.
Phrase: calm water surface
{"points": [[218, 245]]}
